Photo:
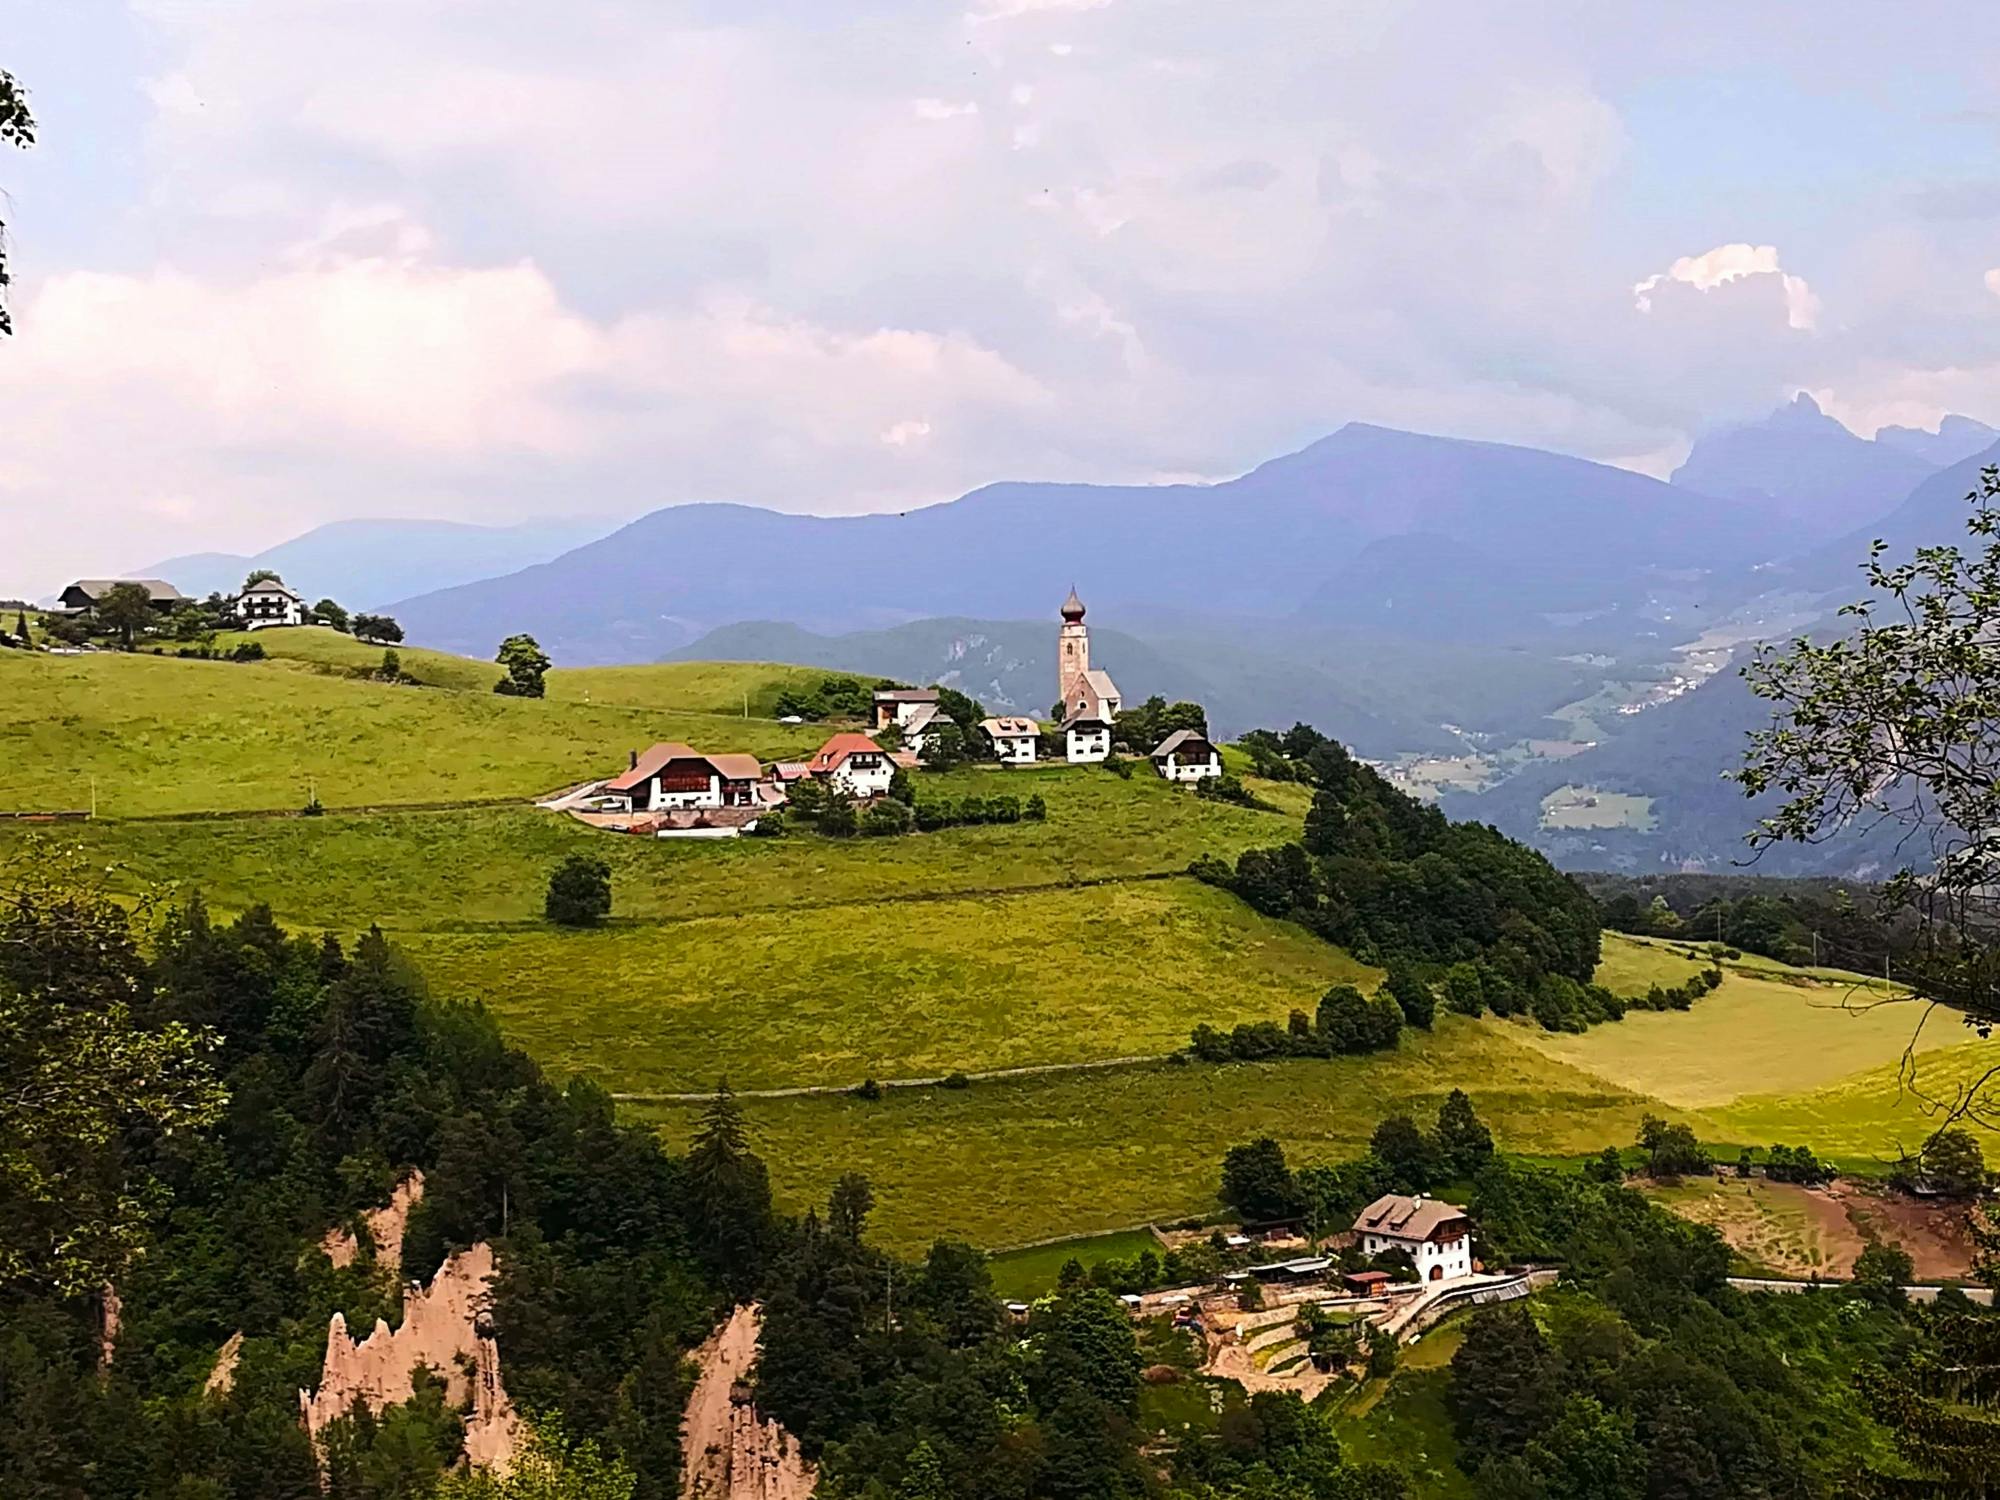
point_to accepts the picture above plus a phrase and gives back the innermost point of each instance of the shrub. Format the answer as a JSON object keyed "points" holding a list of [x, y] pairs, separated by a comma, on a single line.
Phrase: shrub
{"points": [[1036, 810], [955, 1081], [770, 825], [247, 651], [579, 892], [868, 1089], [838, 819], [887, 819]]}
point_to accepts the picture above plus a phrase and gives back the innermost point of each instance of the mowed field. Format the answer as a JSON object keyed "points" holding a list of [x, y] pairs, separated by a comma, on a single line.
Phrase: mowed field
{"points": [[473, 869], [163, 735], [1024, 1159], [1766, 1030], [729, 688]]}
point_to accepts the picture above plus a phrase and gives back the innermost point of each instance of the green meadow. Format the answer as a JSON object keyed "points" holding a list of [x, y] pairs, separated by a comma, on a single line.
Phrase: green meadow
{"points": [[833, 995], [479, 867], [1025, 1159], [162, 735]]}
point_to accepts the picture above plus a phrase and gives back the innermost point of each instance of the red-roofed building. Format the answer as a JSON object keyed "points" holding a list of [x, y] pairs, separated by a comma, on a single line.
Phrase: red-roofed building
{"points": [[855, 764], [673, 775]]}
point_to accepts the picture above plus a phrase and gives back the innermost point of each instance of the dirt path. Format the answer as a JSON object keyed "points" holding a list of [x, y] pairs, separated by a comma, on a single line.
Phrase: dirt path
{"points": [[729, 1452]]}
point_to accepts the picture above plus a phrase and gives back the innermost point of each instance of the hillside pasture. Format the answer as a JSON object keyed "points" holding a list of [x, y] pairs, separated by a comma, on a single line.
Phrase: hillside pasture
{"points": [[817, 996], [1026, 1159], [1869, 1116], [1755, 1034], [474, 868], [164, 735], [707, 687], [320, 649]]}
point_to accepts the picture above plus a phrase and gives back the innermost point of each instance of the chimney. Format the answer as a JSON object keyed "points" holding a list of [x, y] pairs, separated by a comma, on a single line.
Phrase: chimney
{"points": [[632, 761]]}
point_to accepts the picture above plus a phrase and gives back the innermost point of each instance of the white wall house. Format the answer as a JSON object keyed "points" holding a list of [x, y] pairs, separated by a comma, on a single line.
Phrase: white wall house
{"points": [[1437, 1236], [1015, 742], [1086, 738], [919, 725], [269, 602], [673, 776], [1186, 756], [855, 764]]}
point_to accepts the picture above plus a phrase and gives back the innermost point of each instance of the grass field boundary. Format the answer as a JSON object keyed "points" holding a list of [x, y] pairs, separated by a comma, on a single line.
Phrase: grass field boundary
{"points": [[363, 809], [990, 1075]]}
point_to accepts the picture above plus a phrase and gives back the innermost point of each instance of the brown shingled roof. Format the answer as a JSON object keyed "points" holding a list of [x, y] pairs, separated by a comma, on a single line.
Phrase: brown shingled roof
{"points": [[1407, 1218], [730, 767]]}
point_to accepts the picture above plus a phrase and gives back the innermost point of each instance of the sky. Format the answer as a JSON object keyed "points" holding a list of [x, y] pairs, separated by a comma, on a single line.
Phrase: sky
{"points": [[281, 262]]}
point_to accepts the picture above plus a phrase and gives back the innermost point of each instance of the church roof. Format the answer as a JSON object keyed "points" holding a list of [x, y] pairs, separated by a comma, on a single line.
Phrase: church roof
{"points": [[1072, 607]]}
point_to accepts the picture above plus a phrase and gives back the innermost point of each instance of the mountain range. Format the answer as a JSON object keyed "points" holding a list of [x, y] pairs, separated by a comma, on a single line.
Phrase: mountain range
{"points": [[367, 563]]}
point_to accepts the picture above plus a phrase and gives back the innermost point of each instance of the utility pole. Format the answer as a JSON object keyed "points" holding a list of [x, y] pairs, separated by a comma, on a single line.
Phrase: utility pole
{"points": [[93, 798]]}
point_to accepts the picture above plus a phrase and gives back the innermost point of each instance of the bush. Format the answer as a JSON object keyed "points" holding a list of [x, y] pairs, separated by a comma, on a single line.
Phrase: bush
{"points": [[1036, 810], [955, 1081], [247, 651], [838, 819], [770, 825], [579, 892], [868, 1089], [887, 818]]}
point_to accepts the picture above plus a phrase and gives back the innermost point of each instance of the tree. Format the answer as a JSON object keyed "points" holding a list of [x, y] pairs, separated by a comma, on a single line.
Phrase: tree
{"points": [[944, 746], [1953, 1164], [190, 623], [579, 893], [126, 608], [525, 666], [848, 1206], [21, 622], [381, 628], [729, 1193], [1672, 1150], [84, 1078], [1881, 1271], [1401, 1147], [1893, 725], [17, 128], [1257, 1183], [329, 613], [259, 575], [1503, 1382], [1412, 995], [548, 1465], [1463, 1141]]}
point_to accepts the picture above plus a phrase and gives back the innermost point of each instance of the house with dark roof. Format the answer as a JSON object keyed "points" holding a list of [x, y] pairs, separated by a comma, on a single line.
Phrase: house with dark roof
{"points": [[269, 602], [85, 593], [1437, 1236], [671, 777], [854, 763], [1186, 756]]}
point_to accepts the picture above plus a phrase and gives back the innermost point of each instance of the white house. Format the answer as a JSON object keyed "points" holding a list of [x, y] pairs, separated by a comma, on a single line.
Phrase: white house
{"points": [[855, 764], [900, 705], [1187, 756], [1014, 741], [269, 602], [1086, 738], [919, 724], [672, 776], [1437, 1236]]}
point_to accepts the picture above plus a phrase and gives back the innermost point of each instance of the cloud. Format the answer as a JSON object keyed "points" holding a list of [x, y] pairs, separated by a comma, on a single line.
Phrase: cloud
{"points": [[904, 433], [1731, 263], [939, 109], [1992, 279], [1007, 10]]}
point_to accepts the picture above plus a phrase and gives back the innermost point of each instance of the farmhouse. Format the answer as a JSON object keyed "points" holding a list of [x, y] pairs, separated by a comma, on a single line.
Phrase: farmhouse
{"points": [[899, 706], [1089, 698], [85, 593], [1186, 756], [1437, 1236], [269, 602], [855, 764], [918, 726], [673, 776], [1014, 741]]}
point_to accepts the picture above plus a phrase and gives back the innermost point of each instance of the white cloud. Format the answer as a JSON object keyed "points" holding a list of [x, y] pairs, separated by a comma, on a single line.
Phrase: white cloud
{"points": [[1731, 263], [940, 109], [1005, 10], [1993, 281], [904, 433]]}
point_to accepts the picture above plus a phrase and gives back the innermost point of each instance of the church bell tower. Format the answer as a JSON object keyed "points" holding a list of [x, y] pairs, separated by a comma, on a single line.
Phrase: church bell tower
{"points": [[1072, 649]]}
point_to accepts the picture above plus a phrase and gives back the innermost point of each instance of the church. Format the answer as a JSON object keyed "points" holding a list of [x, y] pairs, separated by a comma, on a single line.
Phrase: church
{"points": [[1087, 697]]}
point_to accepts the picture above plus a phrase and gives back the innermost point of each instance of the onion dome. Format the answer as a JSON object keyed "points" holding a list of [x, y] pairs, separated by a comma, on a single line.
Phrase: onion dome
{"points": [[1072, 607]]}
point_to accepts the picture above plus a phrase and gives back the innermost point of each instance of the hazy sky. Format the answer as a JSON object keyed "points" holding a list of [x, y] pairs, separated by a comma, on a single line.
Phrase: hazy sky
{"points": [[284, 261]]}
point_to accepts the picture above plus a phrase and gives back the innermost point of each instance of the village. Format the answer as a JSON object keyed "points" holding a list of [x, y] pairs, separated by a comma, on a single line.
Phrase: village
{"points": [[674, 790]]}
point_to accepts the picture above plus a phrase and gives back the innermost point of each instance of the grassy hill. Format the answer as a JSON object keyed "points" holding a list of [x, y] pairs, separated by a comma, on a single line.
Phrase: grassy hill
{"points": [[809, 962], [163, 735], [320, 649]]}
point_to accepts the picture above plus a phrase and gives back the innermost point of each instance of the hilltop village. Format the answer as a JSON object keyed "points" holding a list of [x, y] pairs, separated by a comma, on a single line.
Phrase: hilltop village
{"points": [[673, 790]]}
